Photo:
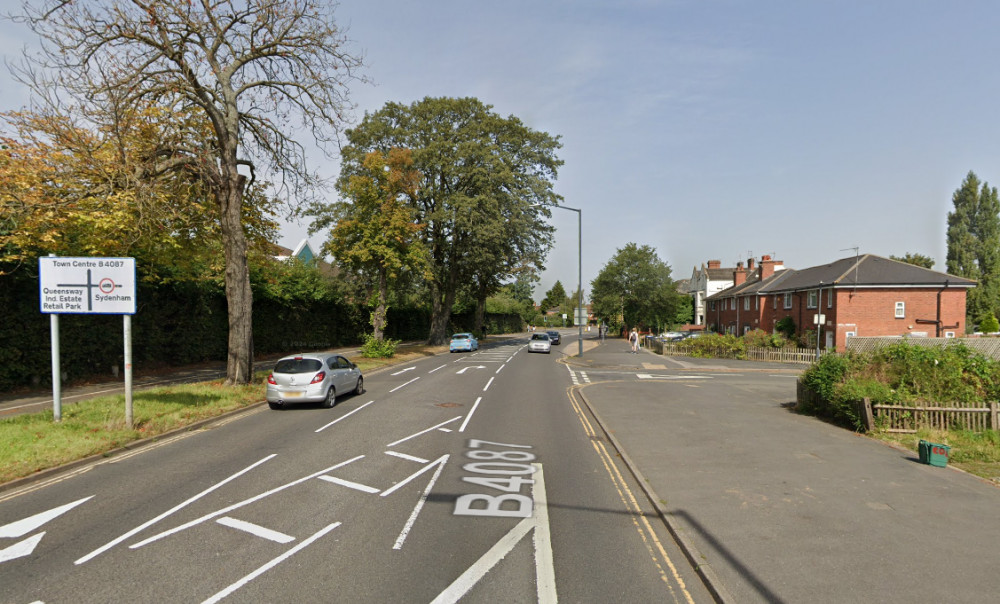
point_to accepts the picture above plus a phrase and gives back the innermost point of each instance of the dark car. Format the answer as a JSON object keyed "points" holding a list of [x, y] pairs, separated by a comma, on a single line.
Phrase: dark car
{"points": [[554, 337]]}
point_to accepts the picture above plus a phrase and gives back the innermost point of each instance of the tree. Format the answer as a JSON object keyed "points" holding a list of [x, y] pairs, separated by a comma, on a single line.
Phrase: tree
{"points": [[374, 233], [250, 75], [974, 243], [915, 259], [555, 297], [483, 177], [635, 288]]}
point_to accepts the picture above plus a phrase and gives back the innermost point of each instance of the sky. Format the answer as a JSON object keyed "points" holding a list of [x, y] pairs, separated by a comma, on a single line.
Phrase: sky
{"points": [[705, 129]]}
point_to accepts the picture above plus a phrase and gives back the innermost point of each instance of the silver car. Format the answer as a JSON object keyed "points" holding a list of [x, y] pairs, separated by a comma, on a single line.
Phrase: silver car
{"points": [[312, 378], [540, 342]]}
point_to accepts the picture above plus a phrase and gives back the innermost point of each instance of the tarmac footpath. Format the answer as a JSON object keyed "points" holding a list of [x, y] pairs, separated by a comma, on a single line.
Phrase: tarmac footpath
{"points": [[773, 506]]}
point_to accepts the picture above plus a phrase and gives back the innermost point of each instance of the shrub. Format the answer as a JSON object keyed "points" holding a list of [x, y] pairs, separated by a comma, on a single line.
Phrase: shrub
{"points": [[374, 348], [989, 324], [762, 339], [786, 327]]}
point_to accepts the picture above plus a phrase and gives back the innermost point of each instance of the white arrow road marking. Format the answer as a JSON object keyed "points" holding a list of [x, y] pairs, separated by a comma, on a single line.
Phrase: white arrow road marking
{"points": [[402, 440], [19, 550], [255, 529], [404, 370], [464, 369], [21, 528], [545, 579], [646, 376]]}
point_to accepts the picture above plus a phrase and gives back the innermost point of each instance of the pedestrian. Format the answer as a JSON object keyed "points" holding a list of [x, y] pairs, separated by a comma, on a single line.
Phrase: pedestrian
{"points": [[633, 339]]}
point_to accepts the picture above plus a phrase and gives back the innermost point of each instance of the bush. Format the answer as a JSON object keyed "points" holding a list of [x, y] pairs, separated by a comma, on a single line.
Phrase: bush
{"points": [[762, 339], [374, 348], [989, 324], [786, 327]]}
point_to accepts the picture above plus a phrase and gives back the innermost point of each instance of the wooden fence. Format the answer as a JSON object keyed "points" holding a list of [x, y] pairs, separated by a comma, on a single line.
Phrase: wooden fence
{"points": [[987, 346], [752, 353], [977, 417]]}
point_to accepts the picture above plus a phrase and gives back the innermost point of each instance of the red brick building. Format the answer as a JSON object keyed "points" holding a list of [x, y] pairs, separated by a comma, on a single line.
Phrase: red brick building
{"points": [[857, 296]]}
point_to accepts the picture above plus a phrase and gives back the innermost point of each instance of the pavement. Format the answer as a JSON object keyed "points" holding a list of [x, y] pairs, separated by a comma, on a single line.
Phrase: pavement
{"points": [[773, 506]]}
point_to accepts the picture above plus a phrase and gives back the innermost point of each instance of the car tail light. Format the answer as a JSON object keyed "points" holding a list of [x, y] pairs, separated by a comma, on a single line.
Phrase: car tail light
{"points": [[318, 377], [271, 380]]}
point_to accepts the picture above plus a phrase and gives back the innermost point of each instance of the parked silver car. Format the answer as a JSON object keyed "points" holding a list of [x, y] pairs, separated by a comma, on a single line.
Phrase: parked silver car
{"points": [[312, 378]]}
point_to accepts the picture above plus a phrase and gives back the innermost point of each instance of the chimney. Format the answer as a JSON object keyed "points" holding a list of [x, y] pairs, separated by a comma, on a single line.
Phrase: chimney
{"points": [[749, 265], [766, 267], [739, 276], [715, 264]]}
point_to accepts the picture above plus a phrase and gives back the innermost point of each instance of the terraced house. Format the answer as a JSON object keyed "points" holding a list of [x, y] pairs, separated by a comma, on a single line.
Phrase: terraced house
{"points": [[863, 295]]}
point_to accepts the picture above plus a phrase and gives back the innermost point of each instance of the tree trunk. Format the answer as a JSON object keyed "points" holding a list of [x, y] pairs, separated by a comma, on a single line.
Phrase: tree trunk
{"points": [[239, 297], [379, 314], [440, 314], [480, 312]]}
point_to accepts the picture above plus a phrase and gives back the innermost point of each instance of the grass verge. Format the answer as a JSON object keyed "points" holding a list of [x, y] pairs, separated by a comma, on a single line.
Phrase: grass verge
{"points": [[977, 453], [32, 442]]}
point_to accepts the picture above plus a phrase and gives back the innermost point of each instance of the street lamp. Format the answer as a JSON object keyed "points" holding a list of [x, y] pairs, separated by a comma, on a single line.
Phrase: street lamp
{"points": [[579, 267]]}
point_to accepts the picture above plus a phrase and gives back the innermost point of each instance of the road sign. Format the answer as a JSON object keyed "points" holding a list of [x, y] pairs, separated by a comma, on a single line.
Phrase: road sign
{"points": [[86, 285]]}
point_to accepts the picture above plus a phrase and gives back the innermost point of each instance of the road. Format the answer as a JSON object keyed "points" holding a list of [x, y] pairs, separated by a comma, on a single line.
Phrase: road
{"points": [[479, 477]]}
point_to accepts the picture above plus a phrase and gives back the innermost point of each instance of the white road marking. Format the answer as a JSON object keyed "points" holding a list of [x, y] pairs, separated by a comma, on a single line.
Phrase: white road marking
{"points": [[420, 504], [406, 384], [240, 504], [544, 569], [440, 460], [22, 527], [405, 456], [344, 416], [501, 368], [21, 549], [646, 376], [444, 429], [436, 368], [464, 369], [351, 485], [403, 440], [403, 370], [469, 416], [487, 386], [141, 527], [305, 543], [255, 529]]}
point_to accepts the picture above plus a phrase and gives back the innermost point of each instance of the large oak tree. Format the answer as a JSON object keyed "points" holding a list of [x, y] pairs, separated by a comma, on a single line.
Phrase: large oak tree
{"points": [[253, 75]]}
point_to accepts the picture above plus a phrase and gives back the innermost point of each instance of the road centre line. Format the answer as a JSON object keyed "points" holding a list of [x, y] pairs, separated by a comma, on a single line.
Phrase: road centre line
{"points": [[501, 368], [240, 504], [436, 368], [402, 440], [487, 386], [179, 506], [345, 416], [255, 529], [351, 485], [440, 460], [407, 457], [420, 505], [305, 543], [469, 416], [406, 384]]}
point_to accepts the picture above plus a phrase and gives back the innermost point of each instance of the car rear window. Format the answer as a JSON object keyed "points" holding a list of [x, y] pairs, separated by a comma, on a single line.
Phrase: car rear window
{"points": [[298, 366], [460, 336], [540, 336]]}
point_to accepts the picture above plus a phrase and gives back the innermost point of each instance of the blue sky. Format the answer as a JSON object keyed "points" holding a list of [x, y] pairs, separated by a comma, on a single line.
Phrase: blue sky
{"points": [[708, 129]]}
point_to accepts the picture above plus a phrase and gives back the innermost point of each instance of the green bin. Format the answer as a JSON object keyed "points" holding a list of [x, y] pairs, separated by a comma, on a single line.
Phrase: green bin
{"points": [[934, 454]]}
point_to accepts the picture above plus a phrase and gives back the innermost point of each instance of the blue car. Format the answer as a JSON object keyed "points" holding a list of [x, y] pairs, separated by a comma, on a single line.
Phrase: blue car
{"points": [[463, 341]]}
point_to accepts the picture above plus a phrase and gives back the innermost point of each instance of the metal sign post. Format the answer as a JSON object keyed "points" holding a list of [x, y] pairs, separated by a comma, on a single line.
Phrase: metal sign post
{"points": [[87, 286]]}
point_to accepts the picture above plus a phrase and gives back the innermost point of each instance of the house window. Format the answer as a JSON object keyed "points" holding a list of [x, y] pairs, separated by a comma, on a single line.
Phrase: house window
{"points": [[900, 310], [812, 301], [756, 303], [732, 304], [829, 298], [774, 299], [949, 334], [711, 305], [788, 300], [746, 303]]}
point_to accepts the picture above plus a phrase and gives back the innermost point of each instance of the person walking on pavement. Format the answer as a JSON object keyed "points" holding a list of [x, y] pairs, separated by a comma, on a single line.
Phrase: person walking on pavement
{"points": [[633, 339]]}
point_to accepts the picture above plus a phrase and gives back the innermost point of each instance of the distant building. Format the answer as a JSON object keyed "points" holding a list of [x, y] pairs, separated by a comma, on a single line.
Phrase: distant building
{"points": [[863, 295], [711, 279]]}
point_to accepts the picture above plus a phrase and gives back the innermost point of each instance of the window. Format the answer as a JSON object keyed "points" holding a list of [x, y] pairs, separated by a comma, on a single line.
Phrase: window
{"points": [[812, 301], [756, 303], [732, 304], [711, 305], [829, 298], [788, 300], [900, 310], [949, 334], [775, 299], [746, 303]]}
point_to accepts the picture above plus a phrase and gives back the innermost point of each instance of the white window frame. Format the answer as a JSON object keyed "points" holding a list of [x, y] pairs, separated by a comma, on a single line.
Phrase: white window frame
{"points": [[732, 304], [900, 310], [746, 302], [788, 301], [775, 298], [812, 299], [829, 298], [949, 334]]}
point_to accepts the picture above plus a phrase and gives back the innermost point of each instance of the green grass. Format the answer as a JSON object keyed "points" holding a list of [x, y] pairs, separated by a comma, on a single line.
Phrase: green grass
{"points": [[975, 452]]}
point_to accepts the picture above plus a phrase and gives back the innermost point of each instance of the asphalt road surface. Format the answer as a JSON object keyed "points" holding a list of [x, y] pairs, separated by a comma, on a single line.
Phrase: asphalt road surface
{"points": [[474, 477]]}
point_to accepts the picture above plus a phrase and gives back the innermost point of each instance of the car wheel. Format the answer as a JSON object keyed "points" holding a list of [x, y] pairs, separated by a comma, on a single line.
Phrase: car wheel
{"points": [[360, 388], [331, 398], [276, 406]]}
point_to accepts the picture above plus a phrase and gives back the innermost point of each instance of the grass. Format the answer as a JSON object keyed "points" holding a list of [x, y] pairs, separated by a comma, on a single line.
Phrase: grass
{"points": [[977, 453], [32, 442]]}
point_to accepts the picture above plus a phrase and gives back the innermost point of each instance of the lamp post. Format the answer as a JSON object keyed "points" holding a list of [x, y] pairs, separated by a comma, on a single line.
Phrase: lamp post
{"points": [[579, 268]]}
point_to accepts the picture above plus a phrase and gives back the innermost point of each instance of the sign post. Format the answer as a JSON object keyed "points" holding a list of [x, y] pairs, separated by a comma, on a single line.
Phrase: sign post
{"points": [[87, 286]]}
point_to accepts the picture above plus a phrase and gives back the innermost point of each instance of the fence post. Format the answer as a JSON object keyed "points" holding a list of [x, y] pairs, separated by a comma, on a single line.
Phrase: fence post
{"points": [[868, 416], [994, 415]]}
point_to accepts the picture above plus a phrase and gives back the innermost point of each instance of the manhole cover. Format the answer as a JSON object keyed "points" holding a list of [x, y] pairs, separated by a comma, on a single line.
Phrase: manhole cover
{"points": [[449, 405]]}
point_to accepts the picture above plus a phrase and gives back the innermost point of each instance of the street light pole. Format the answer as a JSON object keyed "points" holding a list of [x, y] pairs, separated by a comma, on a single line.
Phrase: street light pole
{"points": [[579, 267]]}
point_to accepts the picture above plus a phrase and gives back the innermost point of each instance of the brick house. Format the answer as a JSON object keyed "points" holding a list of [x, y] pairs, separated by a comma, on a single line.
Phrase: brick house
{"points": [[711, 279], [863, 295]]}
